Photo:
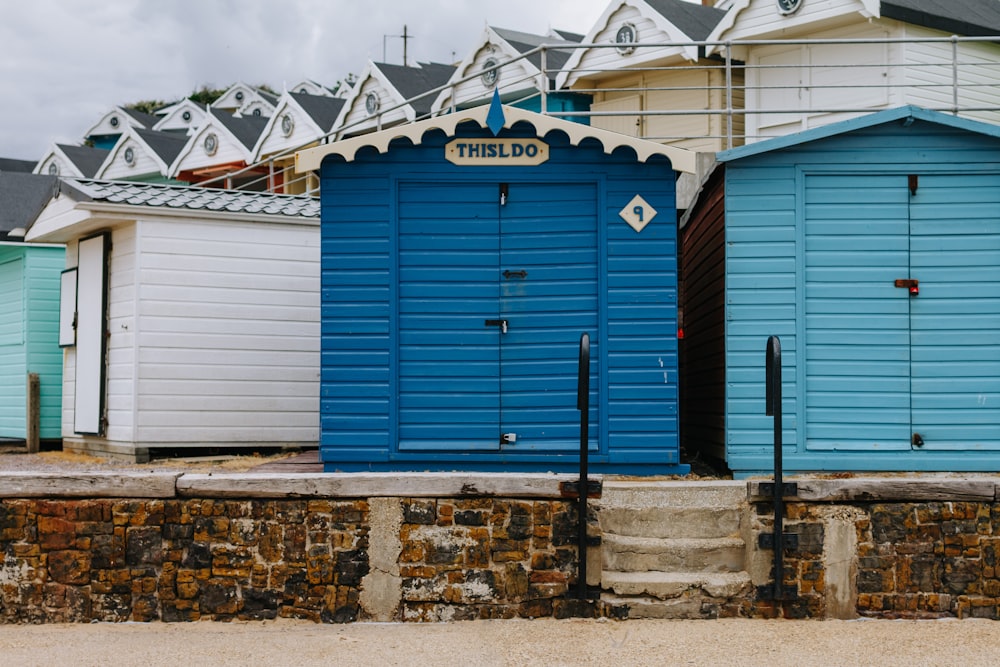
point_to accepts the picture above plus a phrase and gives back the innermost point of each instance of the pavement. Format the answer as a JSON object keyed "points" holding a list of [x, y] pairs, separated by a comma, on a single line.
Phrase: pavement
{"points": [[547, 642]]}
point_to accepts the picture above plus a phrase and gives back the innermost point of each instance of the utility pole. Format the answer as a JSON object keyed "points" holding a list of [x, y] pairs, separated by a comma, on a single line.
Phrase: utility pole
{"points": [[406, 36]]}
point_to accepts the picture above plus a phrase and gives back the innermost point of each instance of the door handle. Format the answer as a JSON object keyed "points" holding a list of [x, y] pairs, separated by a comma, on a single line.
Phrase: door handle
{"points": [[508, 274], [498, 323]]}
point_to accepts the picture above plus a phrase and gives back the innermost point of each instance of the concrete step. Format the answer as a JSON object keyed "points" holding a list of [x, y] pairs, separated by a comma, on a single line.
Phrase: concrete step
{"points": [[667, 585], [649, 494], [640, 554], [671, 522]]}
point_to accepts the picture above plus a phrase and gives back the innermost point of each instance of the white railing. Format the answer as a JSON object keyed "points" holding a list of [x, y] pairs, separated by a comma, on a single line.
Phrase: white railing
{"points": [[739, 101]]}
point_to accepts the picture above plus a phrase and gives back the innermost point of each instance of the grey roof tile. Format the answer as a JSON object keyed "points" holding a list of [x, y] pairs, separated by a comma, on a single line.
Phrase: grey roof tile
{"points": [[186, 197]]}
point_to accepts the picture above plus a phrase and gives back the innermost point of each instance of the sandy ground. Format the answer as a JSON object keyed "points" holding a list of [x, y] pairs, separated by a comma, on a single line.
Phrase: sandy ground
{"points": [[488, 643], [16, 458]]}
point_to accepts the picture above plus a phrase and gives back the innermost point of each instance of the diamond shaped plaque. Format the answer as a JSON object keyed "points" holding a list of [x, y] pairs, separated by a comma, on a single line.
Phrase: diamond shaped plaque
{"points": [[638, 213]]}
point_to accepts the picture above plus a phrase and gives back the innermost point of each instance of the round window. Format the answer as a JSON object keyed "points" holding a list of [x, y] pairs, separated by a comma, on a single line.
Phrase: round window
{"points": [[371, 103], [211, 144], [490, 75], [129, 156], [53, 169], [186, 116], [256, 112], [239, 96], [114, 121], [789, 6], [625, 38], [287, 124]]}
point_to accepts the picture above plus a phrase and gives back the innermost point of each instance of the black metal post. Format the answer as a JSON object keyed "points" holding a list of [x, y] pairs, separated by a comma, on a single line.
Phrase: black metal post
{"points": [[777, 540], [583, 405]]}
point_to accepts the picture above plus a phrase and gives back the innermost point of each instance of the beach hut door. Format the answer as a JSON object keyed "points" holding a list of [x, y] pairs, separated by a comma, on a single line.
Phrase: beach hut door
{"points": [[902, 312], [91, 334], [496, 283]]}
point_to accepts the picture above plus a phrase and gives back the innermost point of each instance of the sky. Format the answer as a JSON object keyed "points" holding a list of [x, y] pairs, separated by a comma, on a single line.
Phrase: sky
{"points": [[65, 63]]}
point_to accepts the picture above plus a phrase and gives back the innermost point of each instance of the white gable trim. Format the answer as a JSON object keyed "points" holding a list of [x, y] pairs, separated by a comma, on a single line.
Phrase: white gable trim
{"points": [[311, 159], [173, 118], [189, 158], [271, 141], [104, 126], [372, 77], [507, 53], [132, 138], [65, 166], [569, 75]]}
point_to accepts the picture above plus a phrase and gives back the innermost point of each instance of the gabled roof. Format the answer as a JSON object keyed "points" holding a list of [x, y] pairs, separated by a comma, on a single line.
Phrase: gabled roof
{"points": [[971, 18], [396, 86], [311, 159], [322, 109], [23, 196], [310, 87], [12, 165], [410, 82], [83, 205], [172, 117], [968, 18], [905, 114], [245, 129], [82, 160], [161, 147], [234, 142], [677, 21], [117, 119], [503, 46], [309, 119]]}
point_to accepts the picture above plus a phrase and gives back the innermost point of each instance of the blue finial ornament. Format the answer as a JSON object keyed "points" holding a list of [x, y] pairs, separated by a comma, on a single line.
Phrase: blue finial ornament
{"points": [[495, 118]]}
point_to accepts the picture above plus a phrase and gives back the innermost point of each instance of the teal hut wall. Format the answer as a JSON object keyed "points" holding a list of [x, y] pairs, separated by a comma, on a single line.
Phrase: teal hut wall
{"points": [[29, 322], [816, 233]]}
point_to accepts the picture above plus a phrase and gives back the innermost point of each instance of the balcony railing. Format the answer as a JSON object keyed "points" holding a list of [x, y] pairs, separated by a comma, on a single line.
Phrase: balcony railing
{"points": [[739, 93]]}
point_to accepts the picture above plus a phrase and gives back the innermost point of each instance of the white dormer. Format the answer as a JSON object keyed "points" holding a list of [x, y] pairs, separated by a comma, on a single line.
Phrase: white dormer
{"points": [[223, 143], [141, 154], [518, 77], [184, 116], [628, 24], [310, 87], [377, 99], [71, 161], [258, 107], [236, 97], [299, 120]]}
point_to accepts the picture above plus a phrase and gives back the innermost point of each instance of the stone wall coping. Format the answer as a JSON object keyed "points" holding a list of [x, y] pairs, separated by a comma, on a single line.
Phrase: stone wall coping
{"points": [[887, 489], [95, 484], [373, 485]]}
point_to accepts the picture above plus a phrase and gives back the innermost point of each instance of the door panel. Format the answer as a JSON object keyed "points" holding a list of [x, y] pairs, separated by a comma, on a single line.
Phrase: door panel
{"points": [[91, 333], [464, 381], [449, 373], [955, 251], [857, 321], [549, 231]]}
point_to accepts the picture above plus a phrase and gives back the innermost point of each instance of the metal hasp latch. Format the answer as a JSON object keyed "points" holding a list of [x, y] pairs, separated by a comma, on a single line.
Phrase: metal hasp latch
{"points": [[508, 438], [912, 285], [498, 323]]}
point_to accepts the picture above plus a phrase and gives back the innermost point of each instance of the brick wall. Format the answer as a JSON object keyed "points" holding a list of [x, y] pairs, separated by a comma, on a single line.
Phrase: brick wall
{"points": [[908, 560], [187, 559]]}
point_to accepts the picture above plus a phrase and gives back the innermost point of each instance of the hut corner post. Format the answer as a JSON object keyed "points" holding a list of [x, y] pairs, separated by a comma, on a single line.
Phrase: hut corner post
{"points": [[33, 416]]}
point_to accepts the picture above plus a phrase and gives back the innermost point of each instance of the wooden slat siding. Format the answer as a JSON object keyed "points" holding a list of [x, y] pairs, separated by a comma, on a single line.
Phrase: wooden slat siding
{"points": [[513, 77], [929, 74], [702, 352], [857, 390], [44, 355], [761, 201], [955, 344], [69, 363], [123, 324], [761, 17], [642, 339], [12, 348], [358, 342], [145, 163], [598, 62], [246, 337]]}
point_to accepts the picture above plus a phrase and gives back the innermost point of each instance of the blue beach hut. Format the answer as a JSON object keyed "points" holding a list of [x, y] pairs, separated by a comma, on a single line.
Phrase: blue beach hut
{"points": [[463, 257], [872, 248]]}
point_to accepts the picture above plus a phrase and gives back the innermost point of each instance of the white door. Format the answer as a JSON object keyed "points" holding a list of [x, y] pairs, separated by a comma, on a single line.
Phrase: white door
{"points": [[91, 333]]}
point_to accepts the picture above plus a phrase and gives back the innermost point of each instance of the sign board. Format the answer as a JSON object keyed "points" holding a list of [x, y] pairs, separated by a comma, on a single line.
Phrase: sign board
{"points": [[496, 152]]}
